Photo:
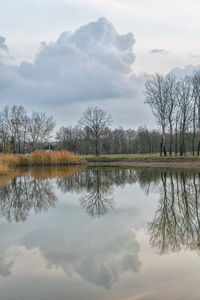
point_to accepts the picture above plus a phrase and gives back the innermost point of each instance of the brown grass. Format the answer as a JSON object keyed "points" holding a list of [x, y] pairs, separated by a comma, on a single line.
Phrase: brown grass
{"points": [[37, 158], [42, 157], [13, 160]]}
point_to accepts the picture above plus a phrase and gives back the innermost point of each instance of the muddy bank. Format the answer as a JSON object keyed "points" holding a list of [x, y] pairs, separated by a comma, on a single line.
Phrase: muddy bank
{"points": [[139, 164]]}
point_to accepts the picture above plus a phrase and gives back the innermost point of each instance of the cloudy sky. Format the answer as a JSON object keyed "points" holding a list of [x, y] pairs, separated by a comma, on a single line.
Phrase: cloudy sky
{"points": [[61, 56]]}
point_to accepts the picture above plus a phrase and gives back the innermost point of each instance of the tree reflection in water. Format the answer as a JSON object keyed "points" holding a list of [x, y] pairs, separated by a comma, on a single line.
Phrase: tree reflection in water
{"points": [[30, 189], [98, 184], [23, 194], [98, 201], [176, 224], [33, 189]]}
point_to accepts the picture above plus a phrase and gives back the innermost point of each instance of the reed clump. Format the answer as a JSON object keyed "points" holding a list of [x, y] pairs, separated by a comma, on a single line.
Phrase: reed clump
{"points": [[47, 158], [37, 158], [13, 160]]}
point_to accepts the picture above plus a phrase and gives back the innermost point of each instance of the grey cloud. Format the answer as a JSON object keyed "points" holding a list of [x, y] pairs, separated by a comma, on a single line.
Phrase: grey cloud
{"points": [[104, 267], [187, 70], [99, 263], [3, 45], [159, 51]]}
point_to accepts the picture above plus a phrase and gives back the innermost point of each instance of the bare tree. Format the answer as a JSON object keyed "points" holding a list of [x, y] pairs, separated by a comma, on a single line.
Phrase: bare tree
{"points": [[156, 97], [171, 92], [94, 121], [196, 109], [39, 129], [69, 138], [185, 102], [13, 128]]}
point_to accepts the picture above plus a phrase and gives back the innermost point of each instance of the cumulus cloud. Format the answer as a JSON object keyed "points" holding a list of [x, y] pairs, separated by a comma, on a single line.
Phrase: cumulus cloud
{"points": [[159, 51], [92, 63], [91, 66]]}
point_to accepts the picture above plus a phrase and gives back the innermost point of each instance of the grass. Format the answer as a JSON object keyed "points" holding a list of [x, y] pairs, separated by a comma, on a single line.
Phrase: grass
{"points": [[37, 158], [12, 160], [49, 158], [59, 158]]}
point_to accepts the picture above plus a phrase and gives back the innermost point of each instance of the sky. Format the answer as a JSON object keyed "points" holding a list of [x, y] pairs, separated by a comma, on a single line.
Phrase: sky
{"points": [[61, 56]]}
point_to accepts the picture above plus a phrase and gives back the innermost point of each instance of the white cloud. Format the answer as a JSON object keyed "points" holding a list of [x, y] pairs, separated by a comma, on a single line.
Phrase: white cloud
{"points": [[93, 63], [89, 66]]}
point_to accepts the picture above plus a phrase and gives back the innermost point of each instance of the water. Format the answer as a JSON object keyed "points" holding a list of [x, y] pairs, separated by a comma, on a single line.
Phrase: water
{"points": [[113, 234]]}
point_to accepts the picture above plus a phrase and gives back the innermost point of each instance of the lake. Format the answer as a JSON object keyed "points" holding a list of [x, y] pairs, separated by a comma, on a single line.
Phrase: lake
{"points": [[99, 233]]}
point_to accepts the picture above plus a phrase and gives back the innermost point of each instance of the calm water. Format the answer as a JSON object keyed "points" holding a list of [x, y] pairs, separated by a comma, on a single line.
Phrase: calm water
{"points": [[112, 234]]}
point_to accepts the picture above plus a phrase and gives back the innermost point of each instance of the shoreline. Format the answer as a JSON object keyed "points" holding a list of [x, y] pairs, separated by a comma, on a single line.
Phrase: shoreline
{"points": [[150, 164], [41, 159]]}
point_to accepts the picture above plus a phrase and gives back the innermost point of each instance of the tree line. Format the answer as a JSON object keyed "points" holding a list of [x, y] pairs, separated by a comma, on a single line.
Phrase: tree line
{"points": [[20, 132], [175, 103]]}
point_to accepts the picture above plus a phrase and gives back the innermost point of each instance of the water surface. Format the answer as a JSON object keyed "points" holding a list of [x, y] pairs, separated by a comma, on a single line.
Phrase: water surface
{"points": [[94, 234]]}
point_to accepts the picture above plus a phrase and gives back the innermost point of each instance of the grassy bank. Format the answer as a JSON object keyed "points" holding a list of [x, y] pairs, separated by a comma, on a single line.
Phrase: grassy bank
{"points": [[61, 158]]}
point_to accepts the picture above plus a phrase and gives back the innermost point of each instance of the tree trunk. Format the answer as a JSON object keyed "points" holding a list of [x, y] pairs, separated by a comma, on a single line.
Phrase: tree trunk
{"points": [[176, 143], [96, 147], [163, 144], [171, 138], [193, 140], [198, 149], [161, 147]]}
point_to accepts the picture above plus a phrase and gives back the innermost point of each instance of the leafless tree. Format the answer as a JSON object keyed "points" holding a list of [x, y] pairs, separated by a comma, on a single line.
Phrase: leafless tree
{"points": [[13, 128], [39, 129], [69, 138], [196, 108], [171, 92], [94, 122], [185, 103], [156, 97]]}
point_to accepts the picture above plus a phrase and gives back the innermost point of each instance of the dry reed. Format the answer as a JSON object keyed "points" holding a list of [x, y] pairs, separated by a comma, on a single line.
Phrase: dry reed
{"points": [[37, 158], [13, 160], [42, 157]]}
